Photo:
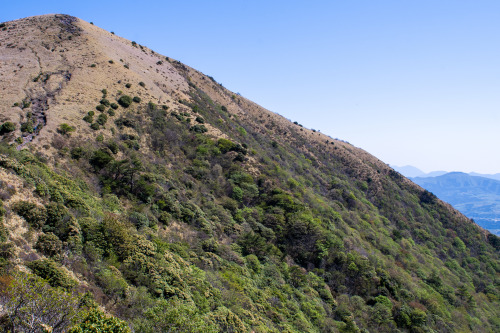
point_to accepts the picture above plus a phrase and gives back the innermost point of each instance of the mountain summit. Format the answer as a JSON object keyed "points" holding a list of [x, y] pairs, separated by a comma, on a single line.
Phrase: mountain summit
{"points": [[178, 205]]}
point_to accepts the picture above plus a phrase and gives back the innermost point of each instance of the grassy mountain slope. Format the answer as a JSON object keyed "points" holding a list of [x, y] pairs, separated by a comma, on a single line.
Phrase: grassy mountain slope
{"points": [[181, 206]]}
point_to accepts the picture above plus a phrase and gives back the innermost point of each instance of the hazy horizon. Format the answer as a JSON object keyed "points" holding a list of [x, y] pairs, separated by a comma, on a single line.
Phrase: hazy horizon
{"points": [[413, 83]]}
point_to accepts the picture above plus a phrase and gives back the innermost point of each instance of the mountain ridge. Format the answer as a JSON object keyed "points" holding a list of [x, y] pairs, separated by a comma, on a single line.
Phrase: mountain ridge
{"points": [[179, 205]]}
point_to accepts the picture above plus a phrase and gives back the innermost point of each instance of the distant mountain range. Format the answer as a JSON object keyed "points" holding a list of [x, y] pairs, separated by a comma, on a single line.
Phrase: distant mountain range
{"points": [[410, 171], [475, 195]]}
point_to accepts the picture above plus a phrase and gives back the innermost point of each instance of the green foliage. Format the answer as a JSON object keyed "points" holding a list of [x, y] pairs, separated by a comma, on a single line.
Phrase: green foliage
{"points": [[175, 315], [76, 153], [35, 215], [29, 303], [28, 126], [49, 245], [113, 147], [101, 107], [199, 129], [88, 118], [125, 101], [97, 321], [52, 273], [7, 127], [242, 131], [102, 119], [65, 129], [226, 145], [136, 99], [457, 242], [142, 84]]}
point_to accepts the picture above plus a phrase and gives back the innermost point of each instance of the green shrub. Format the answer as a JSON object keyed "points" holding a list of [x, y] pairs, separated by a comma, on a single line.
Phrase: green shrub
{"points": [[36, 216], [102, 119], [76, 153], [125, 101], [142, 84], [136, 99], [113, 146], [49, 270], [139, 220], [95, 126], [98, 321], [199, 129], [114, 106], [226, 145], [111, 112], [100, 158], [164, 218], [104, 102], [88, 118], [128, 85], [200, 120], [65, 129], [101, 107], [49, 244], [7, 127], [27, 127]]}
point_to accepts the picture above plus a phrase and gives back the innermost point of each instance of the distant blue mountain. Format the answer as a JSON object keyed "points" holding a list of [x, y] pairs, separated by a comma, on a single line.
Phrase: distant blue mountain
{"points": [[495, 176], [476, 197], [411, 171]]}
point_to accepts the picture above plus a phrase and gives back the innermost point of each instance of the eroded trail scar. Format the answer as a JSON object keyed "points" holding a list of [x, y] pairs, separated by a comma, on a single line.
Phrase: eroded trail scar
{"points": [[41, 98]]}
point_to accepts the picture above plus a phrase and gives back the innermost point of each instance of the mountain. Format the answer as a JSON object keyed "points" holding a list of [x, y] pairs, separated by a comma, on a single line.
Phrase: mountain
{"points": [[408, 171], [412, 172], [495, 176], [434, 174], [476, 197], [140, 194]]}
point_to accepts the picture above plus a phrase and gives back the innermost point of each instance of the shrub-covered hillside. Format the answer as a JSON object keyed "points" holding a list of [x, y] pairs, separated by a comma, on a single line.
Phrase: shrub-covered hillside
{"points": [[158, 207]]}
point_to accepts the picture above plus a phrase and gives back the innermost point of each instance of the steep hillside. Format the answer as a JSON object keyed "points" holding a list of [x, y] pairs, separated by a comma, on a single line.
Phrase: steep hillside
{"points": [[476, 197], [177, 205]]}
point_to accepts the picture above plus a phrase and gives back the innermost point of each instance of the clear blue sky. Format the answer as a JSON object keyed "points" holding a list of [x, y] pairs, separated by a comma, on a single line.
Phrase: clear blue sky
{"points": [[412, 82]]}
